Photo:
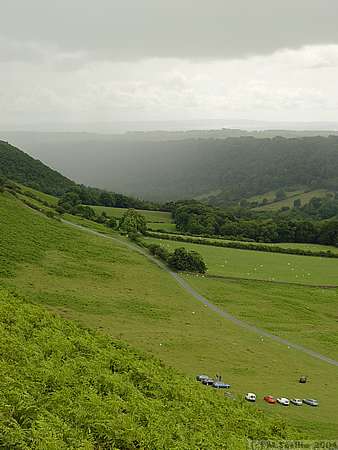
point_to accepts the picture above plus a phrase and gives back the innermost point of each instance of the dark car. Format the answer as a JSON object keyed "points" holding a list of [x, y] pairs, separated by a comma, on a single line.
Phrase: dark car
{"points": [[208, 381], [310, 402], [220, 385]]}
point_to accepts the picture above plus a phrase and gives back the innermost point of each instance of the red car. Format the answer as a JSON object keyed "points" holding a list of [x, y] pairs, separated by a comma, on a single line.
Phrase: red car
{"points": [[270, 399]]}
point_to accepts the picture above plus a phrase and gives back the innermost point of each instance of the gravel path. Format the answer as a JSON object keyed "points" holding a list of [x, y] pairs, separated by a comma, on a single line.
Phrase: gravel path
{"points": [[200, 298]]}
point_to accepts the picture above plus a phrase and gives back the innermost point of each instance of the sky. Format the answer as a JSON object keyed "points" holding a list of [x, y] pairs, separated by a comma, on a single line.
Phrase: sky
{"points": [[85, 61]]}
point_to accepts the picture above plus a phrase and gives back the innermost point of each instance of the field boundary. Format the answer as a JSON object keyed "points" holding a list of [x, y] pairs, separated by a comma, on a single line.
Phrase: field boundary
{"points": [[200, 298], [259, 280], [242, 245]]}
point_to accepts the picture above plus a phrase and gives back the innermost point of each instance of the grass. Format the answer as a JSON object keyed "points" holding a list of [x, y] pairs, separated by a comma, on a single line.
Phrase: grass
{"points": [[304, 315], [271, 195], [304, 197], [156, 220], [291, 245], [106, 286], [51, 199], [151, 216], [255, 265], [65, 387]]}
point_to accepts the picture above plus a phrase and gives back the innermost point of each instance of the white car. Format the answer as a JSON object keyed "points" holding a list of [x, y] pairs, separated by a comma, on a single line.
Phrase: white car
{"points": [[250, 397], [283, 401], [296, 401]]}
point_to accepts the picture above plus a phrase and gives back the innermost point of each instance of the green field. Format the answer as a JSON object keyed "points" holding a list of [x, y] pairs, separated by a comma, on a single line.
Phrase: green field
{"points": [[249, 264], [151, 216], [304, 197], [271, 195], [105, 285], [156, 220], [51, 199], [304, 315], [64, 387], [291, 245]]}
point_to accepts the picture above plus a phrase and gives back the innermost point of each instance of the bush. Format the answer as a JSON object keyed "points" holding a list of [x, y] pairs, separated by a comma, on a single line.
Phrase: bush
{"points": [[159, 251], [112, 223], [185, 260], [132, 221]]}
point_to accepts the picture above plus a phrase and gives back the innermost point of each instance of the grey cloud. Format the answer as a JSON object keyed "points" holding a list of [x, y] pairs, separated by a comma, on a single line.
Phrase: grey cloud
{"points": [[194, 29]]}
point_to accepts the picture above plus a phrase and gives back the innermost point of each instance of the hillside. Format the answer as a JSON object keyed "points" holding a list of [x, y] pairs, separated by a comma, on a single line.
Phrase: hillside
{"points": [[224, 169], [66, 387], [20, 167], [123, 398], [103, 284]]}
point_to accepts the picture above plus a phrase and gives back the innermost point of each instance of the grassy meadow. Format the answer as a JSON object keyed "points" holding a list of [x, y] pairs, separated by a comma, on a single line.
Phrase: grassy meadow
{"points": [[156, 220], [249, 264], [106, 286], [304, 315], [51, 199], [66, 387], [291, 245], [304, 197]]}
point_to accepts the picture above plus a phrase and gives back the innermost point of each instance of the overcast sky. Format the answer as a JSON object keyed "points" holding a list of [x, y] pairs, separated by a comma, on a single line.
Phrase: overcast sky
{"points": [[108, 60]]}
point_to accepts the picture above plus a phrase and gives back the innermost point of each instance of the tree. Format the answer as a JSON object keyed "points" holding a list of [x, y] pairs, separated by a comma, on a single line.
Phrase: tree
{"points": [[112, 223], [133, 222], [184, 260], [69, 201], [2, 183], [297, 203], [84, 211], [280, 195], [102, 218]]}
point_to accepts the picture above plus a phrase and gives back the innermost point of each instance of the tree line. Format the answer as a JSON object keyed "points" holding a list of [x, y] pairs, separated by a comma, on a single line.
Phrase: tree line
{"points": [[196, 218]]}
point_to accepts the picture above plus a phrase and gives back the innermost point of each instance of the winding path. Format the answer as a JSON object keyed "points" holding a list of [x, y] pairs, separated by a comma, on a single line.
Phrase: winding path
{"points": [[202, 299]]}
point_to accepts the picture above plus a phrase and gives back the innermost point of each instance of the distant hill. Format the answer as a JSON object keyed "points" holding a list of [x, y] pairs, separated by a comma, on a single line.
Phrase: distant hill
{"points": [[20, 167], [219, 170]]}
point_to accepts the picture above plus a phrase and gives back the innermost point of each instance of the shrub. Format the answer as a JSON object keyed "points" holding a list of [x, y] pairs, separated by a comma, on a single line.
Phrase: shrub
{"points": [[185, 260]]}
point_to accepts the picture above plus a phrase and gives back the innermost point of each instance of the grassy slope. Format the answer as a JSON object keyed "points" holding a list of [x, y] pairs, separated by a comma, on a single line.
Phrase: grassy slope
{"points": [[151, 216], [271, 195], [106, 286], [247, 264], [22, 168], [307, 316], [51, 199], [64, 387], [304, 197], [156, 220]]}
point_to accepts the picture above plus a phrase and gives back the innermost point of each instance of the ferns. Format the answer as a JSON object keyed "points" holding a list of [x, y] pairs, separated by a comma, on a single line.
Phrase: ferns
{"points": [[64, 387]]}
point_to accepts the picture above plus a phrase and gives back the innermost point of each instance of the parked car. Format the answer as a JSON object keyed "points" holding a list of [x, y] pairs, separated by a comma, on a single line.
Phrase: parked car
{"points": [[283, 401], [270, 399], [208, 381], [201, 377], [310, 402], [250, 397], [296, 401], [220, 385]]}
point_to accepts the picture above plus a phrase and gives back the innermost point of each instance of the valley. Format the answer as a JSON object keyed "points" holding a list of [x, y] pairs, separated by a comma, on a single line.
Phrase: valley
{"points": [[84, 278]]}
